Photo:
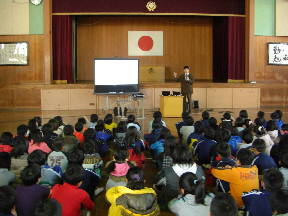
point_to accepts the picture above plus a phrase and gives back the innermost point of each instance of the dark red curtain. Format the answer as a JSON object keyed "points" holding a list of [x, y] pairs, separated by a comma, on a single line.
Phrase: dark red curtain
{"points": [[62, 48], [228, 49]]}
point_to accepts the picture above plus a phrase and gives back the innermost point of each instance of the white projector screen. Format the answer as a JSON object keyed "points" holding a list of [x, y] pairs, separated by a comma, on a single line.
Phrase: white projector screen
{"points": [[116, 75]]}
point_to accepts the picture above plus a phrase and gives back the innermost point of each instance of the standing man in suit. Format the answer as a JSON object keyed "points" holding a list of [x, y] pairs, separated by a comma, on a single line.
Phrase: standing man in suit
{"points": [[186, 79]]}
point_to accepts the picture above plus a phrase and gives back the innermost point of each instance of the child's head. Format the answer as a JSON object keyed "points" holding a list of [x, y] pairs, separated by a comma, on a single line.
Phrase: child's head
{"points": [[182, 155], [205, 115], [58, 144], [222, 135], [259, 145], [280, 113], [108, 119], [7, 200], [5, 160], [259, 130], [54, 124], [271, 125], [22, 130], [164, 133], [19, 147], [89, 134], [248, 138], [79, 127], [157, 116], [170, 144], [59, 119], [184, 115], [189, 121], [259, 122], [100, 126], [121, 127], [272, 179], [278, 202], [209, 133], [131, 119], [239, 122], [90, 147], [32, 124], [93, 118], [199, 128], [121, 155], [275, 116], [243, 114], [74, 174], [156, 124], [190, 184], [68, 130], [261, 115], [76, 157], [36, 136], [212, 122], [227, 116], [31, 174], [135, 178], [223, 204], [244, 157], [7, 138], [82, 120], [48, 207], [223, 149], [37, 157]]}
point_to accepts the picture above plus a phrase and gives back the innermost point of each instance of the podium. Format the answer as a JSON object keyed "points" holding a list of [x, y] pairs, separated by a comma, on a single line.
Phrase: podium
{"points": [[171, 106]]}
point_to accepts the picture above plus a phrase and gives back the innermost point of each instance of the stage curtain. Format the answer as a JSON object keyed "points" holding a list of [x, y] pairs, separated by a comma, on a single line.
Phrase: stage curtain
{"points": [[62, 48], [236, 49]]}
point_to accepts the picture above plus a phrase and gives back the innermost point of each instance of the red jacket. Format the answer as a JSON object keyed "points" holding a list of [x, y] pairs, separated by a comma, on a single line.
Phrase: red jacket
{"points": [[6, 148]]}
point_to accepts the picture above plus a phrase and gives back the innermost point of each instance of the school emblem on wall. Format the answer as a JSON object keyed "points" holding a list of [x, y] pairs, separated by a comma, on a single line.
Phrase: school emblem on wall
{"points": [[151, 5]]}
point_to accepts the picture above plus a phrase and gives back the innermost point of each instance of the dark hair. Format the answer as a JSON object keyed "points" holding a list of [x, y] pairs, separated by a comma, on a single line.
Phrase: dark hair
{"points": [[245, 156], [121, 127], [5, 160], [284, 160], [280, 113], [59, 120], [131, 118], [212, 122], [38, 121], [239, 122], [76, 157], [164, 133], [156, 124], [131, 137], [58, 144], [47, 129], [259, 122], [261, 114], [275, 116], [79, 126], [248, 138], [182, 155], [32, 124], [186, 67], [170, 144], [278, 201], [90, 147], [48, 207], [259, 130], [30, 174], [271, 125], [100, 125], [68, 130], [222, 135], [93, 118], [273, 179], [37, 157], [227, 116], [223, 204], [54, 124], [108, 119], [135, 177], [82, 120], [19, 147], [205, 115], [209, 133], [36, 136], [189, 121], [89, 134], [259, 145], [22, 130], [7, 138], [184, 115], [223, 149], [192, 185], [7, 199], [120, 156], [199, 128], [157, 116], [243, 114], [74, 174]]}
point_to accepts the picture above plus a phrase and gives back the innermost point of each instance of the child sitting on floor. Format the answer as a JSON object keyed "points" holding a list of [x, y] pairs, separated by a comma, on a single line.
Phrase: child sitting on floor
{"points": [[6, 142], [6, 176], [7, 201], [223, 204], [109, 124], [78, 133], [37, 143]]}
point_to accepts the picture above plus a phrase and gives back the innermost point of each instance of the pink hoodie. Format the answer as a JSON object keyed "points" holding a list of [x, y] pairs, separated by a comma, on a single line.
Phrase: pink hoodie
{"points": [[120, 170]]}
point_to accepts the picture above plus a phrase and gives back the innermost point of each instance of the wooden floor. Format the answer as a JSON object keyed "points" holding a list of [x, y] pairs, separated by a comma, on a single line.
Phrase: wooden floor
{"points": [[9, 120]]}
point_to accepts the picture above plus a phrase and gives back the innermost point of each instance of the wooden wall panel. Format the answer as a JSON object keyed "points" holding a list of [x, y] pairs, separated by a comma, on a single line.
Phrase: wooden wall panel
{"points": [[187, 41], [219, 98], [264, 72], [246, 98], [32, 73], [82, 99]]}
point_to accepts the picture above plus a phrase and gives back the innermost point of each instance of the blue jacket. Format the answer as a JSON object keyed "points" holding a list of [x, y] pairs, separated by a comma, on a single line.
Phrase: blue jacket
{"points": [[233, 142], [194, 136], [263, 162], [158, 147], [203, 150]]}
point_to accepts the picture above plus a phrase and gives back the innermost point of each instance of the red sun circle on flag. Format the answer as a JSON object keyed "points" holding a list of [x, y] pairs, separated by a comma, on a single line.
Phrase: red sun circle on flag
{"points": [[145, 43]]}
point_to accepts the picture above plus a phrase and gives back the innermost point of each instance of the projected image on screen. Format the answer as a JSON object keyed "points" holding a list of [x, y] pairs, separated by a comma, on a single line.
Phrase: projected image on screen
{"points": [[116, 76]]}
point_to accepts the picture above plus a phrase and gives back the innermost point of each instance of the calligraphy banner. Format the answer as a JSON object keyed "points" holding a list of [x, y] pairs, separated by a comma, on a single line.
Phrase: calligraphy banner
{"points": [[278, 53]]}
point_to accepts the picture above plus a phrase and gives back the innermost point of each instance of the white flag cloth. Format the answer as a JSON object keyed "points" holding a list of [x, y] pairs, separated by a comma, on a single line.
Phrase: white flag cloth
{"points": [[145, 43]]}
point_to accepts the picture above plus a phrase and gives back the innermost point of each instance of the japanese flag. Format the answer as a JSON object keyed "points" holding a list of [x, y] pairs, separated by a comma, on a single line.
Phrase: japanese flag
{"points": [[145, 43]]}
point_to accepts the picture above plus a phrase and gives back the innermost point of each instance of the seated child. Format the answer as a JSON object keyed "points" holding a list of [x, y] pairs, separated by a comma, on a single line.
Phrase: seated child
{"points": [[260, 133], [61, 125], [261, 160], [71, 198], [7, 201], [30, 193], [239, 125], [134, 199], [6, 176], [277, 118], [93, 121], [242, 178], [278, 202], [37, 143], [169, 146], [196, 136], [157, 116], [223, 158], [158, 146], [57, 156], [247, 141], [205, 119], [257, 202], [192, 200], [48, 135], [48, 207], [120, 133], [234, 140], [187, 129], [70, 141], [227, 118], [102, 138], [131, 121], [272, 130], [109, 124], [213, 123], [178, 125], [118, 168], [243, 114], [84, 122], [78, 133], [223, 204], [6, 142], [18, 156], [152, 137], [284, 169], [135, 146], [261, 117]]}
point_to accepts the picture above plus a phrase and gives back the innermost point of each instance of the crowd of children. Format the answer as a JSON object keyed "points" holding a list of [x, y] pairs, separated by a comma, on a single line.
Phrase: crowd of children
{"points": [[226, 168]]}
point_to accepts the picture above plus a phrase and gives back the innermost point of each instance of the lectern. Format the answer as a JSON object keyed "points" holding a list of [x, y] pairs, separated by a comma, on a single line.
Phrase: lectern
{"points": [[171, 106]]}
